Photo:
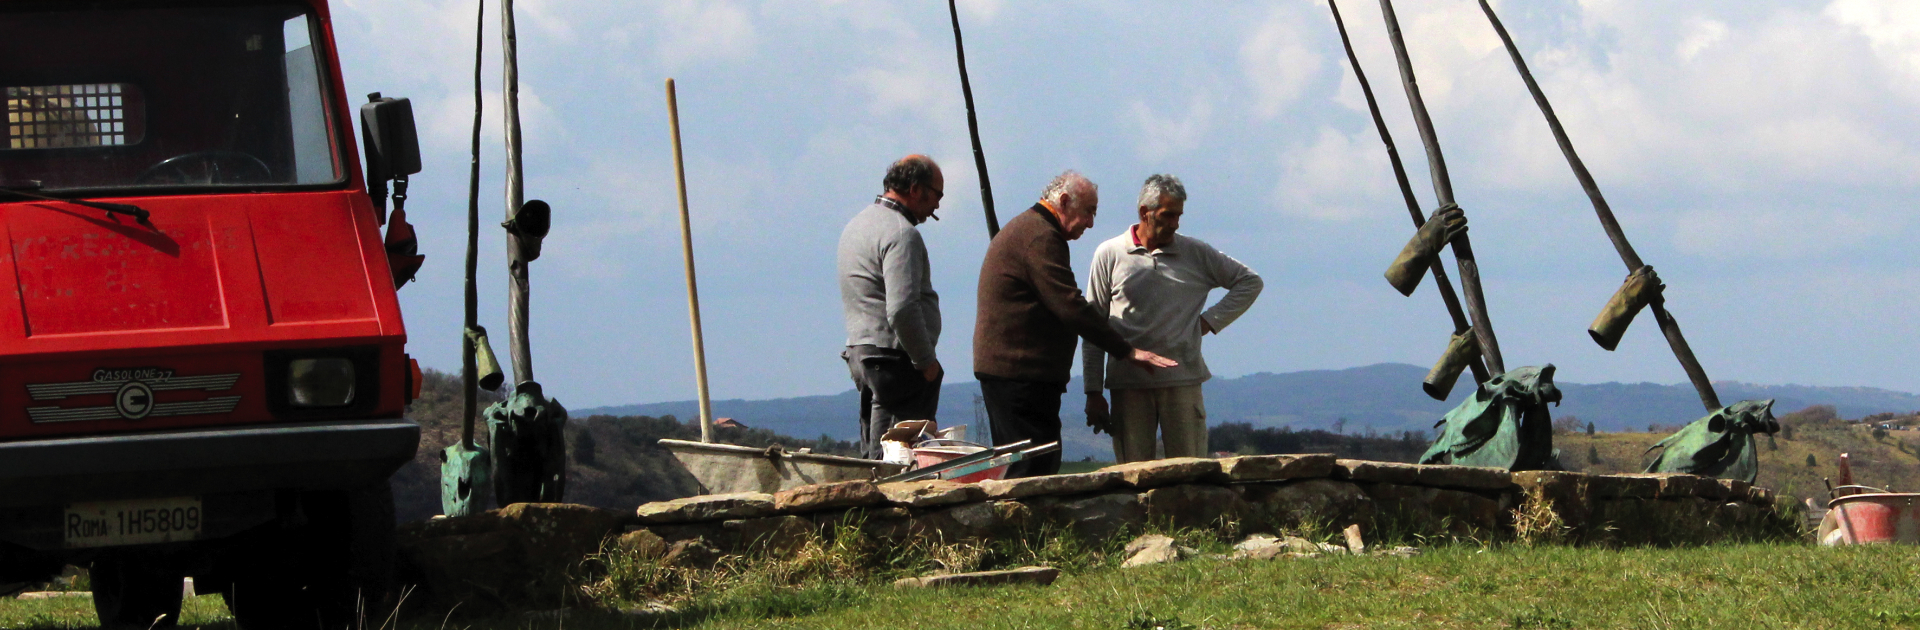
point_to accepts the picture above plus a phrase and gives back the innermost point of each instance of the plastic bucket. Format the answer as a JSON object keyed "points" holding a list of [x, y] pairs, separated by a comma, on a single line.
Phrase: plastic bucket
{"points": [[1877, 518], [930, 455]]}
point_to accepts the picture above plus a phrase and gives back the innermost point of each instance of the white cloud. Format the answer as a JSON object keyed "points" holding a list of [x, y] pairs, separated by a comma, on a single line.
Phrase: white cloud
{"points": [[1703, 34], [694, 31], [1337, 178], [1278, 61], [1777, 234], [1163, 136]]}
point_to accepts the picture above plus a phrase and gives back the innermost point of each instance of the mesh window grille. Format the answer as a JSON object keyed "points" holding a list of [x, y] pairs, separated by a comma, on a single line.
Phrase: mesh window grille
{"points": [[63, 116]]}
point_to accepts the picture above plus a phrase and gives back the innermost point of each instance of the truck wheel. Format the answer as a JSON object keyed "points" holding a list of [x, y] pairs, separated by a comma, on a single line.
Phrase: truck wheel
{"points": [[130, 594], [323, 575]]}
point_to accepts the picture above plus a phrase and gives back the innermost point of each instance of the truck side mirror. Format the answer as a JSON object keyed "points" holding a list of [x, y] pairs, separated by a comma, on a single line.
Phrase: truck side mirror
{"points": [[530, 225], [392, 146]]}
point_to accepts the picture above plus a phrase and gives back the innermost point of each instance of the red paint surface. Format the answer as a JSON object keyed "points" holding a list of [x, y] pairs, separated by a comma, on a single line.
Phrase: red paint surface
{"points": [[219, 280]]}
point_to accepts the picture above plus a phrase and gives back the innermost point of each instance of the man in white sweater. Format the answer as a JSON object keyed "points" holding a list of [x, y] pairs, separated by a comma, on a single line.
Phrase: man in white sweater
{"points": [[1153, 283]]}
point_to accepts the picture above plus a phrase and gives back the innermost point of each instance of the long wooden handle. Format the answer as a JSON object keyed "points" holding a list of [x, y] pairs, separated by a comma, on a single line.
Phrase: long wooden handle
{"points": [[519, 293], [1460, 323], [1443, 189], [693, 286], [469, 370], [973, 127], [1669, 327]]}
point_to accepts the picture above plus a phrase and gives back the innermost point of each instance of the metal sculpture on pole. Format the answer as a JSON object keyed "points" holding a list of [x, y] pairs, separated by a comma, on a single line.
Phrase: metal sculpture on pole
{"points": [[1642, 288], [1440, 381], [527, 430]]}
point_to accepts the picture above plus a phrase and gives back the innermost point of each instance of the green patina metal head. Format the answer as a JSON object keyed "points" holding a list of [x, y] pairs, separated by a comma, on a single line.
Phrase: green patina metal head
{"points": [[528, 434], [1720, 444], [465, 479], [1504, 425]]}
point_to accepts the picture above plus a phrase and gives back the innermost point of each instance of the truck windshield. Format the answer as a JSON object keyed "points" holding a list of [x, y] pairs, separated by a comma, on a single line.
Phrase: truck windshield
{"points": [[99, 99]]}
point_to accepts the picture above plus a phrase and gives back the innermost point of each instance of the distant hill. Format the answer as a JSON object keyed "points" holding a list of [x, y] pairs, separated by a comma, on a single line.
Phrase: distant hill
{"points": [[1385, 398]]}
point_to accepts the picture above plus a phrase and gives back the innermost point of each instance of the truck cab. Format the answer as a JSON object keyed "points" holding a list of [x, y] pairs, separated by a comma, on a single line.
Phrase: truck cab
{"points": [[202, 358]]}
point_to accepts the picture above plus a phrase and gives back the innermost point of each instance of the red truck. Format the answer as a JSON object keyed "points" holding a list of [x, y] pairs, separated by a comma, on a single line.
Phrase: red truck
{"points": [[202, 361]]}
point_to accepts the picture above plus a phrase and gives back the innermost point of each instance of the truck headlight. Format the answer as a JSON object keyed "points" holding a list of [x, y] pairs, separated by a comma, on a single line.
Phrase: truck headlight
{"points": [[321, 382]]}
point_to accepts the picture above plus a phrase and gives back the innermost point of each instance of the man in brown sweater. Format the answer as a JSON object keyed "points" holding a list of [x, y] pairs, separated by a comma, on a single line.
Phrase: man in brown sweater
{"points": [[1030, 317]]}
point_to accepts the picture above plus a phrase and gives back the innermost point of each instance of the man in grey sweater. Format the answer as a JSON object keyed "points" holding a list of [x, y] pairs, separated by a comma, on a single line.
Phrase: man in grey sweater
{"points": [[892, 312], [1152, 285]]}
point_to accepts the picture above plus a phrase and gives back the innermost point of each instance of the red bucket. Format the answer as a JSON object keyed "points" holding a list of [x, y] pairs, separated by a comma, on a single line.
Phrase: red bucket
{"points": [[930, 455], [1876, 518]]}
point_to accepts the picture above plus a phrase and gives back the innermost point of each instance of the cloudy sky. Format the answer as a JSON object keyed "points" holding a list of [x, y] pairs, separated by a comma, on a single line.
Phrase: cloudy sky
{"points": [[1761, 155]]}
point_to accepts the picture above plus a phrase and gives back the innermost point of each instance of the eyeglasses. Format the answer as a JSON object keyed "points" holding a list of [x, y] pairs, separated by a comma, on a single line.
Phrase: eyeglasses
{"points": [[937, 193]]}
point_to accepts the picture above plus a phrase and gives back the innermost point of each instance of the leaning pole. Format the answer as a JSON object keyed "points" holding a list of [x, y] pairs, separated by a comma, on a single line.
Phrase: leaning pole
{"points": [[1642, 287], [1443, 190]]}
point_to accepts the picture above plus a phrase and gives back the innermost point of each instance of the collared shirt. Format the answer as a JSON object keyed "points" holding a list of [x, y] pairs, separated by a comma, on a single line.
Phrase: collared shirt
{"points": [[886, 291], [1156, 298]]}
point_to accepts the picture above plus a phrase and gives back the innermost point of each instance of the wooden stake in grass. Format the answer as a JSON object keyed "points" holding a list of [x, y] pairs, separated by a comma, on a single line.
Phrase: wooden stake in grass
{"points": [[693, 286], [1668, 325]]}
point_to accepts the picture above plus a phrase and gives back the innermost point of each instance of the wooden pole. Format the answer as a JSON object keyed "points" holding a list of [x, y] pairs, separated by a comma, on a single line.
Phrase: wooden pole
{"points": [[469, 372], [1460, 323], [973, 127], [1443, 189], [1668, 325], [693, 287], [518, 290]]}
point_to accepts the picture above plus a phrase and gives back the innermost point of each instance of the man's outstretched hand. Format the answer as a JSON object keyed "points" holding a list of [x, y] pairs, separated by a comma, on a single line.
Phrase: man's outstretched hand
{"points": [[1150, 360], [1097, 413]]}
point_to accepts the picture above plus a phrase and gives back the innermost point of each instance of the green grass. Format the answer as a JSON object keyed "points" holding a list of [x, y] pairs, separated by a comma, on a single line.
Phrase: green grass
{"points": [[205, 611], [1458, 586]]}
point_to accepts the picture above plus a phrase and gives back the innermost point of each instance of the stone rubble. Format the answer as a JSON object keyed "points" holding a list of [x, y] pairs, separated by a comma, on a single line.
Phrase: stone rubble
{"points": [[520, 555]]}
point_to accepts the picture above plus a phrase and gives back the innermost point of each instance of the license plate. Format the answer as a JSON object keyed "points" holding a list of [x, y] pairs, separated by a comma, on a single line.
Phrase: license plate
{"points": [[134, 522]]}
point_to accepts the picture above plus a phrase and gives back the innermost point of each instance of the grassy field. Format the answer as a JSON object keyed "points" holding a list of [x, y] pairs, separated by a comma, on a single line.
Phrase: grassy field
{"points": [[1457, 586], [1891, 462]]}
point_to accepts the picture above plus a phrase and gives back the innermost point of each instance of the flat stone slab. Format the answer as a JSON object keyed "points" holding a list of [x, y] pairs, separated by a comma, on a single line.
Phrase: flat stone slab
{"points": [[1154, 549], [1166, 472], [1040, 576], [1276, 467], [1050, 485], [709, 507], [1433, 476], [1632, 486], [1682, 485], [826, 496], [931, 492]]}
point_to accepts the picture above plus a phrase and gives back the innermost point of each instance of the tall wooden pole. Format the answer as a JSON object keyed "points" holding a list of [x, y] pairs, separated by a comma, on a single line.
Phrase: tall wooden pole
{"points": [[1668, 325], [973, 127], [1460, 323], [469, 371], [517, 286], [1443, 189], [693, 287]]}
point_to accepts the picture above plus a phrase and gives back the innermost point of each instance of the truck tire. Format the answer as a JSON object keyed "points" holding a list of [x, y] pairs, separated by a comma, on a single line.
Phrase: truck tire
{"points": [[326, 574], [130, 594]]}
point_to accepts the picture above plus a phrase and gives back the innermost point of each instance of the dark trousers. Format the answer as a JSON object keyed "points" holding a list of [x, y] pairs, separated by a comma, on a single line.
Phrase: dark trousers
{"points": [[891, 390], [1024, 410]]}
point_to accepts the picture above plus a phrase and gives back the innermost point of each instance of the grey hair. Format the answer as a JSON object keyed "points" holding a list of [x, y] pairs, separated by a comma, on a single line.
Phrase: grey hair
{"points": [[1070, 182], [1162, 185]]}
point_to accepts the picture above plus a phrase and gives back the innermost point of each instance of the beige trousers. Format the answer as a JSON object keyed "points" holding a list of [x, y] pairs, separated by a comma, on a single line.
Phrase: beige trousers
{"points": [[1177, 415]]}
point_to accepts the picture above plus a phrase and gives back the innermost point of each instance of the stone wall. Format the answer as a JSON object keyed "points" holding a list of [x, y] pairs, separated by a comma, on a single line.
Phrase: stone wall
{"points": [[516, 555]]}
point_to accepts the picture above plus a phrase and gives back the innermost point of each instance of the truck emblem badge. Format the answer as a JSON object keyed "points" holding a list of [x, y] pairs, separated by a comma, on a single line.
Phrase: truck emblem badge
{"points": [[134, 400], [133, 395]]}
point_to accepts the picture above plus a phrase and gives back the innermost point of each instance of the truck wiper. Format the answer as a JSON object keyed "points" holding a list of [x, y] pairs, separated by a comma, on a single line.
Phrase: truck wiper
{"points": [[138, 213]]}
